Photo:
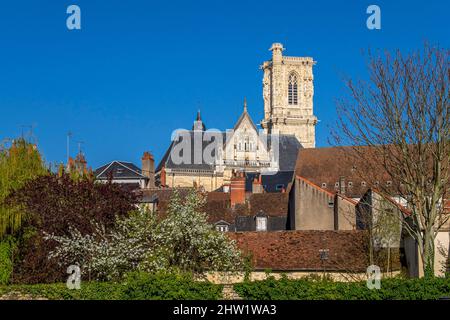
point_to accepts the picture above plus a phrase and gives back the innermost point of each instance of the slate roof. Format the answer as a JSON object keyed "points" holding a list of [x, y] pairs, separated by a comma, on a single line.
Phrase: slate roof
{"points": [[169, 163], [288, 150], [270, 181], [119, 170]]}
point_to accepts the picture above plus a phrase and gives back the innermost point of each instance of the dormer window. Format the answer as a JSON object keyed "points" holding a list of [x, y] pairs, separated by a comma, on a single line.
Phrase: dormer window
{"points": [[222, 226], [261, 223]]}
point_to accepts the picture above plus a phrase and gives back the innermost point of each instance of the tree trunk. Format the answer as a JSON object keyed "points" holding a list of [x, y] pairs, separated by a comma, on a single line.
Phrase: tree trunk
{"points": [[428, 254]]}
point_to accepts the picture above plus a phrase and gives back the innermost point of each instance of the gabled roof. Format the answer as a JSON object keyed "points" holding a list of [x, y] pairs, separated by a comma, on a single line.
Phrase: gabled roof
{"points": [[327, 165], [119, 170], [320, 189], [244, 115]]}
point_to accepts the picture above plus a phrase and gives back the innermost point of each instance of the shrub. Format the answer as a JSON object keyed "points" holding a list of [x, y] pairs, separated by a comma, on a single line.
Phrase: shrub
{"points": [[165, 286], [138, 286], [307, 289], [53, 203], [181, 241], [6, 265]]}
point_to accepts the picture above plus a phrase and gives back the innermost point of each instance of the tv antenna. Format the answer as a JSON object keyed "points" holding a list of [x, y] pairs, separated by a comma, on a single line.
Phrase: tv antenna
{"points": [[69, 135], [80, 143]]}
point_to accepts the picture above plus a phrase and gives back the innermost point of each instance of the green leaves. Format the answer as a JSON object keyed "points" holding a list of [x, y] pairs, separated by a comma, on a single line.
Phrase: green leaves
{"points": [[307, 289], [18, 164], [183, 241], [137, 286]]}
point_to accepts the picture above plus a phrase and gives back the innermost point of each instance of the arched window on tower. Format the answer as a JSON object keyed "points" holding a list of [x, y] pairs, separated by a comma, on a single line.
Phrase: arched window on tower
{"points": [[292, 89]]}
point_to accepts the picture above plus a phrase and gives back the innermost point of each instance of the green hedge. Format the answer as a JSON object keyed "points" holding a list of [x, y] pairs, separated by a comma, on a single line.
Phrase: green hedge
{"points": [[138, 286], [391, 289]]}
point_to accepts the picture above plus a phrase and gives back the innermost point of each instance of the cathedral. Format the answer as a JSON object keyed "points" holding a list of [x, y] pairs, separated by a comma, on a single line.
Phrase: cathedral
{"points": [[268, 154]]}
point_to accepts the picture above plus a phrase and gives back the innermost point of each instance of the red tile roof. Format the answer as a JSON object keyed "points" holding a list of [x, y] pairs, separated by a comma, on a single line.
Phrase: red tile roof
{"points": [[327, 165], [300, 250]]}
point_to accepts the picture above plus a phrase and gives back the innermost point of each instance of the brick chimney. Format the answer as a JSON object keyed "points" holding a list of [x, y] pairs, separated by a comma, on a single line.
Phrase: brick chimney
{"points": [[257, 185], [162, 177], [237, 188], [148, 169]]}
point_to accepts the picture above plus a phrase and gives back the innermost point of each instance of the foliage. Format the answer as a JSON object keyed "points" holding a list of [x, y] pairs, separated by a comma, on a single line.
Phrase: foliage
{"points": [[56, 202], [19, 163], [53, 204], [6, 264], [325, 289], [166, 286], [182, 241], [103, 255], [138, 286], [185, 241]]}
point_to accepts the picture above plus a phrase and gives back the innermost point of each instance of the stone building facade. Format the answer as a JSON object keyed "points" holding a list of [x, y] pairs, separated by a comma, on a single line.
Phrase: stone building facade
{"points": [[288, 125], [288, 91]]}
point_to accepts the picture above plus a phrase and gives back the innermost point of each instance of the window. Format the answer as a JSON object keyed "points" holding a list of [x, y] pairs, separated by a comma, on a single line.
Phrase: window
{"points": [[279, 187], [222, 228], [292, 89], [324, 185], [324, 254], [261, 223]]}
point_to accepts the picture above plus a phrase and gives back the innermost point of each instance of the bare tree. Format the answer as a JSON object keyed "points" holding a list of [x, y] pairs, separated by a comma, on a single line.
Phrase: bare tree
{"points": [[399, 128]]}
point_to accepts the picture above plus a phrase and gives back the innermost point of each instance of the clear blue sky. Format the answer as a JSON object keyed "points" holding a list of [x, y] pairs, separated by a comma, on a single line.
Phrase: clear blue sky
{"points": [[140, 69]]}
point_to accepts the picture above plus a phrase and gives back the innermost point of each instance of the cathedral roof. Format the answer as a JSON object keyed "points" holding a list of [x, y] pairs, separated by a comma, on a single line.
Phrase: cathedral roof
{"points": [[244, 116], [118, 170], [288, 150]]}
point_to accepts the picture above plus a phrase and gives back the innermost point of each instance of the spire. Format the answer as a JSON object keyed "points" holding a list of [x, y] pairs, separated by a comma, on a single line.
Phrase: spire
{"points": [[245, 104], [198, 123]]}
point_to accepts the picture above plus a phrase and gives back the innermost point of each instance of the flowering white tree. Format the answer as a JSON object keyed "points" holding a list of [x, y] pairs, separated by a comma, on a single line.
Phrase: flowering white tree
{"points": [[107, 256], [183, 241]]}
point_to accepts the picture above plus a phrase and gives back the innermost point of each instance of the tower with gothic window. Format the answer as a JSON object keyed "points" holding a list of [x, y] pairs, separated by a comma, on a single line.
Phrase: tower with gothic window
{"points": [[288, 96]]}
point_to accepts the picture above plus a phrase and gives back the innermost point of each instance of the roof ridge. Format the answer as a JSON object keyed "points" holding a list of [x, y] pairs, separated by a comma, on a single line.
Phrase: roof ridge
{"points": [[315, 185]]}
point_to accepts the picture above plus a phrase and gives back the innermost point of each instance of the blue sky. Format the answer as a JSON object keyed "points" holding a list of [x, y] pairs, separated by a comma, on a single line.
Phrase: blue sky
{"points": [[140, 69]]}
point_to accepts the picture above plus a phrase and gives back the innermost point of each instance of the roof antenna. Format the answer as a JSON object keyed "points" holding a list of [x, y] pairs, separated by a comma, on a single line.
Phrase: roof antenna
{"points": [[79, 146]]}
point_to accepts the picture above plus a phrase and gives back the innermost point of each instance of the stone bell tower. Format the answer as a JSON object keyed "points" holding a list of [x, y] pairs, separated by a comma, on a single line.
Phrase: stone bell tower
{"points": [[288, 91]]}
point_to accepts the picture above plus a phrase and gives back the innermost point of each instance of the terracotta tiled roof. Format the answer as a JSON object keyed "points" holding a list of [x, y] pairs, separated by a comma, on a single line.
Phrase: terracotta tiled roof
{"points": [[325, 166], [218, 206], [273, 204], [300, 250]]}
